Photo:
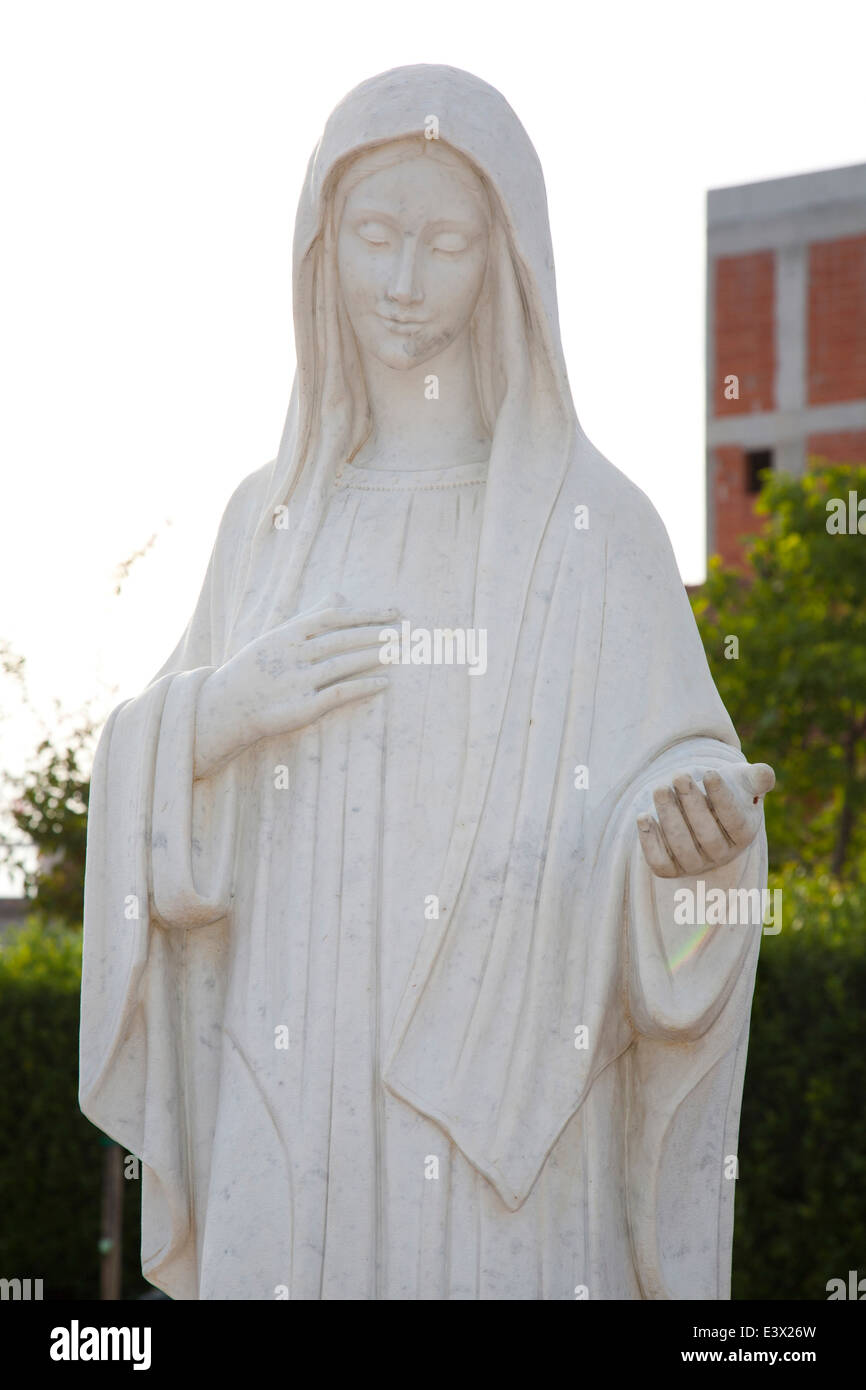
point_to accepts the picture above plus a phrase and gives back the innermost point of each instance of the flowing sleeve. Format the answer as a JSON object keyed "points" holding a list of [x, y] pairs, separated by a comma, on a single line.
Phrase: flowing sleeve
{"points": [[157, 889], [192, 823], [689, 988], [686, 990]]}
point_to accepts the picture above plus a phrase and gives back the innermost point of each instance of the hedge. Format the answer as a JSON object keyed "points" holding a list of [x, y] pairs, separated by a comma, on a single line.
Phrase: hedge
{"points": [[801, 1194], [50, 1156]]}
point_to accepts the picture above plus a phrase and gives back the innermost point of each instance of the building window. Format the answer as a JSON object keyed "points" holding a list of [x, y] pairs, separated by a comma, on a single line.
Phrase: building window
{"points": [[757, 462]]}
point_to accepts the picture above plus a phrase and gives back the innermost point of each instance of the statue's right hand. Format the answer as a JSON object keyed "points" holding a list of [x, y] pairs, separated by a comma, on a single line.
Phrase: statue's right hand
{"points": [[289, 678]]}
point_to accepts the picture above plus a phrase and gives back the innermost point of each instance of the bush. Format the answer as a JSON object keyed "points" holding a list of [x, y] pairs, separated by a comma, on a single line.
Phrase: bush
{"points": [[801, 1194], [50, 1156]]}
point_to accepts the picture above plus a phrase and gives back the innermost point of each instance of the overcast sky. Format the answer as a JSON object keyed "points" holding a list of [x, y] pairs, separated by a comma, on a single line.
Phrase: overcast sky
{"points": [[152, 157]]}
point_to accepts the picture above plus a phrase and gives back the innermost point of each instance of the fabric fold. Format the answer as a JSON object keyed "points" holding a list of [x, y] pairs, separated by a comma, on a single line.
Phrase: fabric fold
{"points": [[179, 836]]}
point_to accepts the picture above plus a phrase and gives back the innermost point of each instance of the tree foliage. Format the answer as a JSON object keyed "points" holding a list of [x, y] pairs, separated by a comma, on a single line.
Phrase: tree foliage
{"points": [[794, 682], [50, 813], [46, 810]]}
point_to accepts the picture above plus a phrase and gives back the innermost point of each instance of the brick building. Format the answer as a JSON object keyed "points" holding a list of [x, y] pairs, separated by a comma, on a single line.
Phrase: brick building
{"points": [[786, 336]]}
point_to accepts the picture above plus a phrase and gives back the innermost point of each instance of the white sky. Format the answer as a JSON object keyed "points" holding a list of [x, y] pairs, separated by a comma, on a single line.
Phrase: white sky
{"points": [[151, 159]]}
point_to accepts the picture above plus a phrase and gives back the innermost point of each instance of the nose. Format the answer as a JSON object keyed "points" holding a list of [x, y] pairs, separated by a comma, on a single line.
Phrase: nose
{"points": [[404, 288]]}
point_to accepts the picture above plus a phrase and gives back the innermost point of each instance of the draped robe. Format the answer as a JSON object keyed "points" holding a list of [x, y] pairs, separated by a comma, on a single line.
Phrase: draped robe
{"points": [[570, 1057]]}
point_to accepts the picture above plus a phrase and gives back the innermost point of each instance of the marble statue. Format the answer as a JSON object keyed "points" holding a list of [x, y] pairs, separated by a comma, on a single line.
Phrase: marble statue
{"points": [[387, 976]]}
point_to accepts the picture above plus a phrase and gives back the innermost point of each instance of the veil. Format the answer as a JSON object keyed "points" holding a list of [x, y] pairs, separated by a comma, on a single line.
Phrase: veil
{"points": [[523, 386]]}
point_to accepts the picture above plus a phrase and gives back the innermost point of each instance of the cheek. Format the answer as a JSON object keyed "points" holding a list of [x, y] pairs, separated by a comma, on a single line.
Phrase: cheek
{"points": [[458, 285], [359, 277]]}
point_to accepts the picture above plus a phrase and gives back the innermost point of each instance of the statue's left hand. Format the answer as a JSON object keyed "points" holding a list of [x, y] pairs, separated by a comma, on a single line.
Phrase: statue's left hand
{"points": [[696, 830]]}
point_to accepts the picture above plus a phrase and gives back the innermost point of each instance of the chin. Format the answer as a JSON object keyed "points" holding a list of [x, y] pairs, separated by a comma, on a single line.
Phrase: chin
{"points": [[402, 357], [403, 353]]}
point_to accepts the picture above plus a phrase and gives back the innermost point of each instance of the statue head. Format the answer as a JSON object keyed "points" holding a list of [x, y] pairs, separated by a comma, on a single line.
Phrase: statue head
{"points": [[405, 247], [413, 221]]}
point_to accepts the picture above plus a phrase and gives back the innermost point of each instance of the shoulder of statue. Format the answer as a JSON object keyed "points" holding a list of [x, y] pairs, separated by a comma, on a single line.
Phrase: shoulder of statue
{"points": [[244, 508], [614, 504]]}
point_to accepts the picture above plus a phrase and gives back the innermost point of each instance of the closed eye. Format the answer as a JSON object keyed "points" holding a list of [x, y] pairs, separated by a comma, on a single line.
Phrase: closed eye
{"points": [[449, 243], [374, 233]]}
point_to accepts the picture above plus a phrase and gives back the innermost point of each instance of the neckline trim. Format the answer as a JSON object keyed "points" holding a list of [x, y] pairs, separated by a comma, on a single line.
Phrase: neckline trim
{"points": [[410, 479]]}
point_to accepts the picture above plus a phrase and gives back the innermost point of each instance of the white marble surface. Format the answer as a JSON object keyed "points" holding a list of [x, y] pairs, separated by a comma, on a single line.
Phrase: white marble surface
{"points": [[389, 973]]}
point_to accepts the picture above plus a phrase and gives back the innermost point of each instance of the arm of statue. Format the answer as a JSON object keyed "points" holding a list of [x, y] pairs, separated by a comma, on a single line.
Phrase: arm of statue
{"points": [[287, 679], [697, 830], [691, 981], [699, 839]]}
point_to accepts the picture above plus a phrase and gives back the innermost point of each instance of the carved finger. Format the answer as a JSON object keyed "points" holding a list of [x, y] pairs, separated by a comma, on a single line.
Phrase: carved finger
{"points": [[335, 696], [729, 808], [704, 827], [340, 668], [327, 619], [654, 848], [346, 639], [761, 778], [675, 829]]}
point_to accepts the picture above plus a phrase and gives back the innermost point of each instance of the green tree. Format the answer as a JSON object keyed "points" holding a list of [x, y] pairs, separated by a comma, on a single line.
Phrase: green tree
{"points": [[46, 809], [786, 644], [50, 814]]}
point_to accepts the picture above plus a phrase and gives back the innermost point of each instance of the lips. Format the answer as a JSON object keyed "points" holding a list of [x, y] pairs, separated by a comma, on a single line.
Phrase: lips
{"points": [[406, 324]]}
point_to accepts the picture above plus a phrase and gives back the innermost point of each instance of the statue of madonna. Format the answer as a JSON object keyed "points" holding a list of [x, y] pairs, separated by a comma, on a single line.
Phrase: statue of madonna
{"points": [[384, 977]]}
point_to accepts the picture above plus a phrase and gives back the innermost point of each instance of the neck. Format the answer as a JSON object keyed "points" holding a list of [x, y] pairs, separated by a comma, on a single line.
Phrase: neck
{"points": [[419, 423]]}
